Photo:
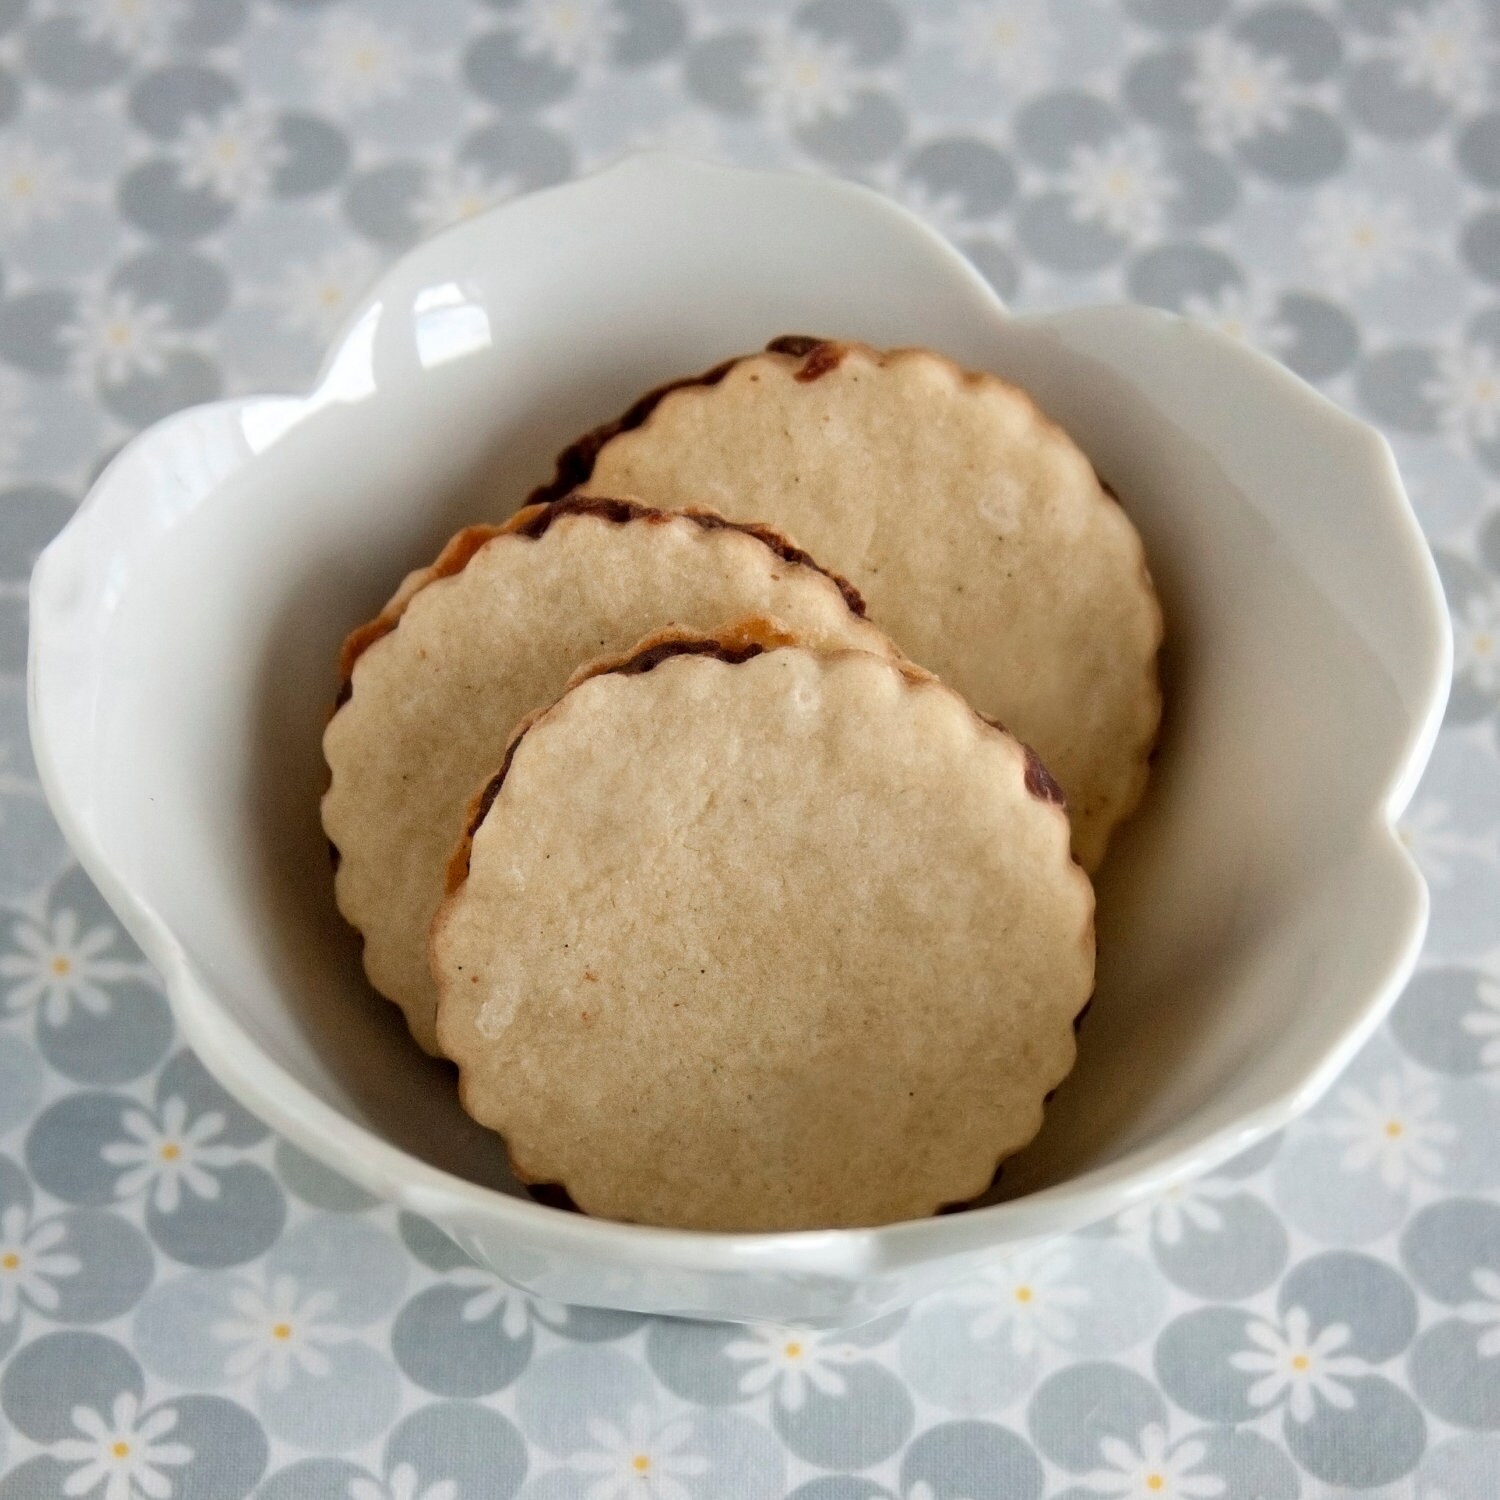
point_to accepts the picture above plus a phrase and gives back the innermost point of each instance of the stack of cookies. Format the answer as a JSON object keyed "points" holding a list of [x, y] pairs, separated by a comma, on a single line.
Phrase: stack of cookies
{"points": [[705, 857]]}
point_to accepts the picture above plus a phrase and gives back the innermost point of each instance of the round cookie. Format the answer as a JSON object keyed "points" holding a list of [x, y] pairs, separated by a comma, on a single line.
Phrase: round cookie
{"points": [[747, 936], [977, 531], [435, 685]]}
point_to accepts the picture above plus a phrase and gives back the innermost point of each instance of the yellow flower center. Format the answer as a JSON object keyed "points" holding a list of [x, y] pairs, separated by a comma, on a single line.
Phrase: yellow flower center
{"points": [[1484, 389], [1004, 32], [1245, 90], [10, 1261], [330, 296], [1364, 236], [1483, 643], [120, 1448], [228, 149], [565, 18], [366, 59], [1393, 1128], [22, 185], [1443, 47], [281, 1330], [807, 74], [1301, 1362], [1155, 1482], [641, 1463], [170, 1151], [1119, 183], [1023, 1294], [793, 1350], [61, 965], [118, 334]]}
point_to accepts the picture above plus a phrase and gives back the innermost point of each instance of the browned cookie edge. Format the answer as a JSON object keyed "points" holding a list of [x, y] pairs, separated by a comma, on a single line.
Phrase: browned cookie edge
{"points": [[749, 637], [575, 464], [533, 521]]}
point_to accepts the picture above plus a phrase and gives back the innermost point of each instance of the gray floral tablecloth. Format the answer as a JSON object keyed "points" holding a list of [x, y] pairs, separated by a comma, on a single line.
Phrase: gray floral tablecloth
{"points": [[191, 192]]}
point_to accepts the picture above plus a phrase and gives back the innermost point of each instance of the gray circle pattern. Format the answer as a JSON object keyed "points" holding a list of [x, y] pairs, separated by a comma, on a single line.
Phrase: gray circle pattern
{"points": [[192, 194]]}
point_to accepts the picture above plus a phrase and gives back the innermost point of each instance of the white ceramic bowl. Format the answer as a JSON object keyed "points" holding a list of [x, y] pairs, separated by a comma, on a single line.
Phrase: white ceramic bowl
{"points": [[1256, 918]]}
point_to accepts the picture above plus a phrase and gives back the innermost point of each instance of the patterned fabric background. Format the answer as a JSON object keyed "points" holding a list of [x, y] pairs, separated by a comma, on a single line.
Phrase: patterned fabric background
{"points": [[191, 192]]}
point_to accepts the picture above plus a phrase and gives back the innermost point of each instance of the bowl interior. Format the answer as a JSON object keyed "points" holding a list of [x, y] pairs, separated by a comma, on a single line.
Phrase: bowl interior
{"points": [[1246, 915]]}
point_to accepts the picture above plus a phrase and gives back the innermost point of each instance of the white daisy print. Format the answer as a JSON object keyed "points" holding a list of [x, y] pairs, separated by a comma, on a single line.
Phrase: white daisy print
{"points": [[357, 61], [31, 1261], [456, 191], [133, 26], [1485, 1311], [1150, 1472], [791, 1362], [317, 296], [1183, 1204], [1476, 640], [1466, 391], [1355, 239], [570, 33], [489, 1295], [1426, 828], [1244, 312], [234, 154], [1120, 185], [1445, 48], [278, 1332], [114, 337], [167, 1157], [59, 965], [1397, 1130], [638, 1460], [1237, 91], [1485, 1022], [1030, 1294], [1290, 1362], [35, 185], [403, 1485], [124, 1452], [943, 211], [1011, 39], [800, 78]]}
